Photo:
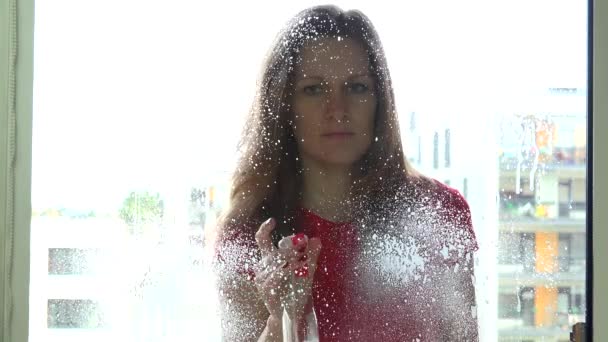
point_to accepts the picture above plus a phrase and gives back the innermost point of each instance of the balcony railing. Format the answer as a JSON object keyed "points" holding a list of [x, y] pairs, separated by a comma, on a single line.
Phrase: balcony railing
{"points": [[517, 274], [525, 209], [557, 158]]}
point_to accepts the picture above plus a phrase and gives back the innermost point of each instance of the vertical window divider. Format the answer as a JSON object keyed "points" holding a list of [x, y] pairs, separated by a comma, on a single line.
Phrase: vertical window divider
{"points": [[16, 89]]}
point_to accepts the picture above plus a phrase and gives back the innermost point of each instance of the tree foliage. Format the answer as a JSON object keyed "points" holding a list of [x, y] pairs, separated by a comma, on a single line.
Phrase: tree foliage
{"points": [[142, 208]]}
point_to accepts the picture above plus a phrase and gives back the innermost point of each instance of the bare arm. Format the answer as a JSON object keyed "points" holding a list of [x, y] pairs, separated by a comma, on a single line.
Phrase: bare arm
{"points": [[460, 309], [251, 309], [464, 321], [243, 313], [467, 284]]}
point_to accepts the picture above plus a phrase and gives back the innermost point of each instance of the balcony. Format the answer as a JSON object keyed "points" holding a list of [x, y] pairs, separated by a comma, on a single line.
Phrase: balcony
{"points": [[522, 215], [532, 333], [548, 159], [517, 328], [517, 274]]}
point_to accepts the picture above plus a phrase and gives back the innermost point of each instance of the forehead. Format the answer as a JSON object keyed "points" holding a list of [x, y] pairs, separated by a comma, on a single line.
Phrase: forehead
{"points": [[332, 57]]}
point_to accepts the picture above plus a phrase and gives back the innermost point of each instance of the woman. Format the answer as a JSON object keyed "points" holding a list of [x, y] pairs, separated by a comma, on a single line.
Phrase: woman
{"points": [[382, 252]]}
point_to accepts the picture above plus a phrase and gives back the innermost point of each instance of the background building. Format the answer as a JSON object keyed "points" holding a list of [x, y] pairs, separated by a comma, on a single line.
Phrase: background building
{"points": [[103, 279], [531, 229], [542, 217]]}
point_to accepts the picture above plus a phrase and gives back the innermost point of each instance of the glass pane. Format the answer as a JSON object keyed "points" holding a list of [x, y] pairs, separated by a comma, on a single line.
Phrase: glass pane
{"points": [[138, 111], [73, 314]]}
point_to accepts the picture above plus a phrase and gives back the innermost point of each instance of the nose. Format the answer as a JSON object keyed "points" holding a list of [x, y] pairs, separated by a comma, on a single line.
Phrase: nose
{"points": [[336, 105]]}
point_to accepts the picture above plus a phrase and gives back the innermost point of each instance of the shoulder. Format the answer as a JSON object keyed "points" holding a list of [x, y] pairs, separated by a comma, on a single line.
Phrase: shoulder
{"points": [[426, 191], [450, 197], [448, 206], [456, 211]]}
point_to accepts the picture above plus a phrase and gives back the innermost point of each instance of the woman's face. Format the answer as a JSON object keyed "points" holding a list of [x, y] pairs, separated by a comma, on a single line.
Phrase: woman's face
{"points": [[334, 102]]}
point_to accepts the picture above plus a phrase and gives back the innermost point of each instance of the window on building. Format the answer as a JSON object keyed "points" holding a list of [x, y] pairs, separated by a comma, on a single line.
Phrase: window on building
{"points": [[517, 198], [507, 241], [74, 314], [564, 252], [579, 305], [508, 306], [526, 299], [448, 149], [564, 300], [564, 307], [66, 261], [578, 252], [436, 150], [412, 121], [419, 150], [565, 197], [527, 251]]}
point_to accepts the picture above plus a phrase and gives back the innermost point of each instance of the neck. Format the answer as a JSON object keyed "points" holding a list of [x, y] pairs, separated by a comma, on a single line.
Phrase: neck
{"points": [[326, 190]]}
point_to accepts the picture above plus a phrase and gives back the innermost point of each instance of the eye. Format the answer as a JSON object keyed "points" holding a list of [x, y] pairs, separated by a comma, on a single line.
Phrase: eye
{"points": [[358, 88], [312, 90]]}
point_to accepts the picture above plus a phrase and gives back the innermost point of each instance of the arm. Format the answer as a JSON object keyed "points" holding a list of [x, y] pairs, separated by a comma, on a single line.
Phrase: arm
{"points": [[243, 314], [251, 302], [466, 282], [463, 321], [242, 311], [456, 310], [273, 331]]}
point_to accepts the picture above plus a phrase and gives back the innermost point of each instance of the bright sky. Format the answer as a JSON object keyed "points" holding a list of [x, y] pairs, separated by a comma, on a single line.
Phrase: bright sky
{"points": [[133, 94]]}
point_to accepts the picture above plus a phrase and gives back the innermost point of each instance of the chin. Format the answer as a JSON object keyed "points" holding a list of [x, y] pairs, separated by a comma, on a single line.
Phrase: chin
{"points": [[342, 158]]}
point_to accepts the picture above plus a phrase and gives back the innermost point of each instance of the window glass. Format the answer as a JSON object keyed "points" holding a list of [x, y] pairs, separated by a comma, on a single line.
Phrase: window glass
{"points": [[138, 111], [72, 260], [74, 314], [436, 150], [447, 158]]}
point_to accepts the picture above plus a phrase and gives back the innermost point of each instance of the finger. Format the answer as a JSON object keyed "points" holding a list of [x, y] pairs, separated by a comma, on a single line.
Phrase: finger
{"points": [[297, 242], [312, 253], [269, 264], [277, 280], [263, 238], [263, 266], [297, 265], [272, 271], [285, 243], [290, 255], [300, 269], [272, 288]]}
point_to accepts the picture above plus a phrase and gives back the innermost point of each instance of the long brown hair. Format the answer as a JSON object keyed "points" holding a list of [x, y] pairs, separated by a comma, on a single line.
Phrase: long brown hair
{"points": [[267, 181]]}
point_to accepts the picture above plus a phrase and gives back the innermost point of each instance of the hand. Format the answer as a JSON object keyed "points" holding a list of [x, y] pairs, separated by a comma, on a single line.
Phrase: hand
{"points": [[296, 259]]}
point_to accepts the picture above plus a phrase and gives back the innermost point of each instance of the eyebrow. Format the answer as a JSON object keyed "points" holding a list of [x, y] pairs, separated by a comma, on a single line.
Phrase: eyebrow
{"points": [[314, 77]]}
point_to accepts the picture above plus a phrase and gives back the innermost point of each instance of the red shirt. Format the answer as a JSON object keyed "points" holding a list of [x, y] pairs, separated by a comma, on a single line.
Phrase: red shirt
{"points": [[397, 281]]}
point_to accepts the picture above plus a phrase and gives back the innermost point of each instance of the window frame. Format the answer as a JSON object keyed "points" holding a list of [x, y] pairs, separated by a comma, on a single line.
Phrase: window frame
{"points": [[16, 77], [17, 16], [597, 188]]}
